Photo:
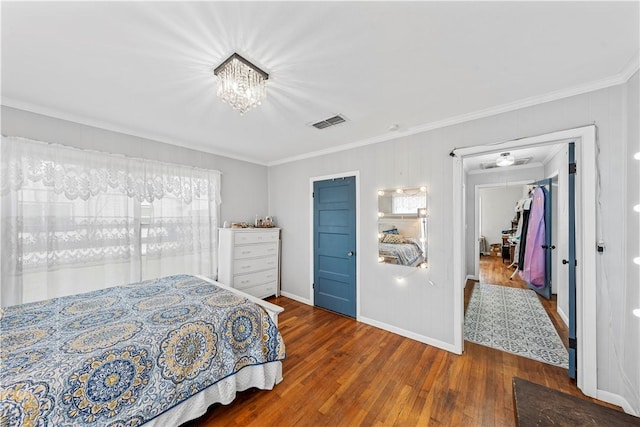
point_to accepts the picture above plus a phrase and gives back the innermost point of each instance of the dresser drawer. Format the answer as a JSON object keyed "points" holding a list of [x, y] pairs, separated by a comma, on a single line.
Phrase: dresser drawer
{"points": [[243, 281], [256, 237], [250, 265], [253, 251], [262, 291]]}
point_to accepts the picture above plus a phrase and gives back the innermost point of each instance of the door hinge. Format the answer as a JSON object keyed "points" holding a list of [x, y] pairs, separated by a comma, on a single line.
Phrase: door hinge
{"points": [[572, 168], [573, 343], [313, 285], [313, 194]]}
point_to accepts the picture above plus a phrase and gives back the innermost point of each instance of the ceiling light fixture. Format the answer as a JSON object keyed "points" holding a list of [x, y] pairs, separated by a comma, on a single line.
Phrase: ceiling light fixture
{"points": [[505, 159], [241, 84]]}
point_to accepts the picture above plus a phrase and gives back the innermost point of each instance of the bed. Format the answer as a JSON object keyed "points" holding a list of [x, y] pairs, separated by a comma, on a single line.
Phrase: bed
{"points": [[404, 251], [157, 353]]}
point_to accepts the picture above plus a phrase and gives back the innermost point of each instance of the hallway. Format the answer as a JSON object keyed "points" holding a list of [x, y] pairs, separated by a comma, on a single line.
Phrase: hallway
{"points": [[494, 271]]}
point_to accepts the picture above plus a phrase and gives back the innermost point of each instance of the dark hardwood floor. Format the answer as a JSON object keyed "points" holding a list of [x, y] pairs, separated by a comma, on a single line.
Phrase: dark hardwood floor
{"points": [[339, 372]]}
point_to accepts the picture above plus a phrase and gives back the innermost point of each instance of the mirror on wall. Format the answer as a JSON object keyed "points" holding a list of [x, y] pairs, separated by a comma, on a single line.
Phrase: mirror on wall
{"points": [[402, 226]]}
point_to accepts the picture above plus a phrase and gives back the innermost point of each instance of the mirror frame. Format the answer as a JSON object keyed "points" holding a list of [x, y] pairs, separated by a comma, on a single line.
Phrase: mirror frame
{"points": [[412, 225]]}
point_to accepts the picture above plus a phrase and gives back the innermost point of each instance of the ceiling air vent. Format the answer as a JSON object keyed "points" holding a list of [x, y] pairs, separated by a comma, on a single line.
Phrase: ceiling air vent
{"points": [[331, 121], [517, 162]]}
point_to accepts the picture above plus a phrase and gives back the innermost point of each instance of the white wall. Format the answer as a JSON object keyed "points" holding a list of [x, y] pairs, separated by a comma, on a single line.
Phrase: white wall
{"points": [[243, 184], [498, 210], [628, 293], [424, 310]]}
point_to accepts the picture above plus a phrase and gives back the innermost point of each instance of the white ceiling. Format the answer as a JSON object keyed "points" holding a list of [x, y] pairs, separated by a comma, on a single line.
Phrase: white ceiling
{"points": [[535, 156], [145, 68]]}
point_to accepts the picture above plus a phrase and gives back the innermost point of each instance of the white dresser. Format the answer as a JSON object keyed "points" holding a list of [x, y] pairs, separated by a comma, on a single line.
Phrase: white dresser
{"points": [[249, 260]]}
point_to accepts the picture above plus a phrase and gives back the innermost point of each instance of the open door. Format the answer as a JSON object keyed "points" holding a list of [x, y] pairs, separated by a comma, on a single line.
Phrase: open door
{"points": [[540, 218]]}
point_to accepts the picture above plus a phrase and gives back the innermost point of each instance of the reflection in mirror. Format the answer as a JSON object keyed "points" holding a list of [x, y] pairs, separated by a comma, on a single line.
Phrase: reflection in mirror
{"points": [[402, 226]]}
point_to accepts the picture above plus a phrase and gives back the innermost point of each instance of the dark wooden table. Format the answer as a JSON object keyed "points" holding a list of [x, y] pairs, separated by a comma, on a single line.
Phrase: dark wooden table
{"points": [[537, 405]]}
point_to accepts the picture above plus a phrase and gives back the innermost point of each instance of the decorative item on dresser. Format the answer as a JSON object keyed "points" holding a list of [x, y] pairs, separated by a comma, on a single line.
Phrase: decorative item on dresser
{"points": [[249, 260]]}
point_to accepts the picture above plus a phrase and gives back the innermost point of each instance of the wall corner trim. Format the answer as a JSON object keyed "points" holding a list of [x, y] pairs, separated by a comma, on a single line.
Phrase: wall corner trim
{"points": [[408, 334], [296, 297], [630, 69]]}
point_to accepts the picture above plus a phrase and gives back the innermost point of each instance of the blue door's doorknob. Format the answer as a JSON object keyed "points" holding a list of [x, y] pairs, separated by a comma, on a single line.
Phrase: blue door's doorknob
{"points": [[350, 253]]}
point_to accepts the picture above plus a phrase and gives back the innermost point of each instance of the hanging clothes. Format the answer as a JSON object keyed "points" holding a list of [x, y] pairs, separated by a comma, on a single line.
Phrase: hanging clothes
{"points": [[521, 206], [534, 253], [526, 210]]}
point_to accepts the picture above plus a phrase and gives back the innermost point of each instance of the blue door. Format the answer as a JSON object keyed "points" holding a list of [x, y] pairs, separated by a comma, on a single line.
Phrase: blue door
{"points": [[545, 291], [571, 262], [334, 245]]}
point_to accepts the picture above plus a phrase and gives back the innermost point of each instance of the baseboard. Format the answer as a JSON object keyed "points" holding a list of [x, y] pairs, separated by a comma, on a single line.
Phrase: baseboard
{"points": [[616, 399], [399, 331], [564, 317], [471, 277], [296, 298]]}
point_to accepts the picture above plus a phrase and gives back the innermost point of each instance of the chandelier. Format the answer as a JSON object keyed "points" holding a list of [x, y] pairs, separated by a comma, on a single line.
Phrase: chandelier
{"points": [[240, 83]]}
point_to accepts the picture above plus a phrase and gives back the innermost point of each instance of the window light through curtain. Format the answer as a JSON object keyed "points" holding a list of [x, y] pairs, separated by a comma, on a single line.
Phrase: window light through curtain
{"points": [[402, 203], [76, 220]]}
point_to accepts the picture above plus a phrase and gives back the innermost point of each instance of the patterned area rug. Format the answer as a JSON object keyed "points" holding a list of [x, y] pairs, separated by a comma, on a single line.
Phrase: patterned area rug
{"points": [[513, 320]]}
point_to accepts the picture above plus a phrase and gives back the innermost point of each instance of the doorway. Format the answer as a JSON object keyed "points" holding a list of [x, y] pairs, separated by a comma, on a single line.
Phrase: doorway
{"points": [[585, 310], [334, 244], [514, 319]]}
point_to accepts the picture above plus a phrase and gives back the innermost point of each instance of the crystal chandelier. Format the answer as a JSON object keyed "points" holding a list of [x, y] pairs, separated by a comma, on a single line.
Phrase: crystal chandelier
{"points": [[241, 84]]}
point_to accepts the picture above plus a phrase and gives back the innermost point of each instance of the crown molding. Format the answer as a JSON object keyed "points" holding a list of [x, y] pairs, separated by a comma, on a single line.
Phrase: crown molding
{"points": [[87, 121], [632, 66], [622, 77]]}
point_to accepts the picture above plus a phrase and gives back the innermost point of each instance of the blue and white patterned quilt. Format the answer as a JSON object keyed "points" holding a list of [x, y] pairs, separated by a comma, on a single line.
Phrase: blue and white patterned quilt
{"points": [[408, 253], [122, 356]]}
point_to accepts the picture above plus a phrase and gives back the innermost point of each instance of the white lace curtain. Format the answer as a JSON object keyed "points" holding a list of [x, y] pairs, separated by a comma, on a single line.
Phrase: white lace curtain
{"points": [[76, 220]]}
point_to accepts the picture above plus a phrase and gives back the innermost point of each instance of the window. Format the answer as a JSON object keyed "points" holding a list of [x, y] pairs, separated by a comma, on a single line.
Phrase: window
{"points": [[402, 203], [76, 220]]}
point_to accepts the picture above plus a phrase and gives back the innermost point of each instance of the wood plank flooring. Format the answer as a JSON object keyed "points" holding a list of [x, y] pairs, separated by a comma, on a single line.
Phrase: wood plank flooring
{"points": [[339, 372]]}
